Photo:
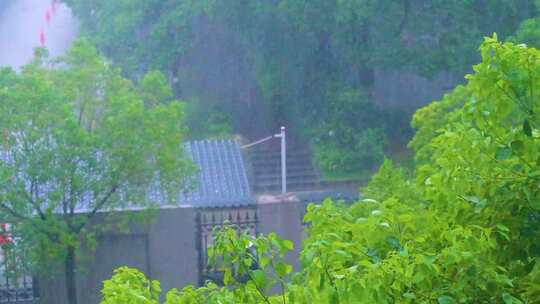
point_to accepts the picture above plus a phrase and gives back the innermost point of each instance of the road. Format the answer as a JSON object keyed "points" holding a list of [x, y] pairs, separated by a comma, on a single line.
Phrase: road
{"points": [[23, 24]]}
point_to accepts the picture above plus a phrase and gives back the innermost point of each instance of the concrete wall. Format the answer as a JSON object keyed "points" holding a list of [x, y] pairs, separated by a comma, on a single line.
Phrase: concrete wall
{"points": [[283, 215], [166, 249]]}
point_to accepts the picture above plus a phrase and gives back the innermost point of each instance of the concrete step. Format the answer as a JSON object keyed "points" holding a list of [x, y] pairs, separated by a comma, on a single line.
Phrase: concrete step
{"points": [[307, 181], [290, 187], [290, 179], [290, 165], [266, 164], [290, 173], [277, 156]]}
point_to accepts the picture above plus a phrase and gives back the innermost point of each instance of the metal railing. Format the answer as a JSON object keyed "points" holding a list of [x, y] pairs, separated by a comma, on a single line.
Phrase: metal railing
{"points": [[16, 285], [243, 219]]}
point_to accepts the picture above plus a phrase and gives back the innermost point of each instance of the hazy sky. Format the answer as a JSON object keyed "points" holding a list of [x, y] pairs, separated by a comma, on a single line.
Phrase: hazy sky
{"points": [[21, 24]]}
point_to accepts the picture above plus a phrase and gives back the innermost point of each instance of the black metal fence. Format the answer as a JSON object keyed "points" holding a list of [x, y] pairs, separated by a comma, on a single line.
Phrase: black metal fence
{"points": [[17, 285], [242, 219]]}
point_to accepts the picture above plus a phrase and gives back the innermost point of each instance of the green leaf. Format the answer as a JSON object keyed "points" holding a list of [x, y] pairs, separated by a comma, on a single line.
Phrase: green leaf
{"points": [[227, 277], [509, 299], [393, 242], [409, 295], [322, 281], [502, 227], [517, 146], [503, 153], [259, 278], [289, 245], [283, 269], [445, 300], [476, 201], [527, 128]]}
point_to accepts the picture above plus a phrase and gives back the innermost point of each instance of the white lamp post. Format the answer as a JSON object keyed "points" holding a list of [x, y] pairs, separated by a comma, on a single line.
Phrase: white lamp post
{"points": [[283, 160]]}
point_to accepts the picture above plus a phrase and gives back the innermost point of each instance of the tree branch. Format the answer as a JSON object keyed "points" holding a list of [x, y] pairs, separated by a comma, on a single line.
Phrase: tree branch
{"points": [[98, 207], [257, 287], [34, 204], [14, 213]]}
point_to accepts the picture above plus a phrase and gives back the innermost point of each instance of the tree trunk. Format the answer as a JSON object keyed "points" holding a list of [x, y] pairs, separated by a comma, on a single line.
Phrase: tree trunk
{"points": [[71, 284]]}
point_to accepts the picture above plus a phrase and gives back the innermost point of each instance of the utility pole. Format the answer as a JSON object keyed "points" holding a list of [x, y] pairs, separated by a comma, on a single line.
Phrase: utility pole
{"points": [[283, 160]]}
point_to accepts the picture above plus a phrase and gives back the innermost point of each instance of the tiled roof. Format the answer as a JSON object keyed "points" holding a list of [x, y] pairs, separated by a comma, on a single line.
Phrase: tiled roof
{"points": [[221, 180]]}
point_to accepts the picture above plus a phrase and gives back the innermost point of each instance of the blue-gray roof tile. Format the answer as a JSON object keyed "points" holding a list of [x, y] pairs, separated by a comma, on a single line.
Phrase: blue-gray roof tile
{"points": [[221, 180]]}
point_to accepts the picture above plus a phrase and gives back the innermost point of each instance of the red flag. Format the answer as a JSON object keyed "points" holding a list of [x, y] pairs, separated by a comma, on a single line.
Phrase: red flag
{"points": [[5, 238], [48, 16], [42, 38]]}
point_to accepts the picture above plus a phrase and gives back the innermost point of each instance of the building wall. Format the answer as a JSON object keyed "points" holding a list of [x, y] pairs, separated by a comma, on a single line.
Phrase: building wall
{"points": [[165, 250], [283, 215]]}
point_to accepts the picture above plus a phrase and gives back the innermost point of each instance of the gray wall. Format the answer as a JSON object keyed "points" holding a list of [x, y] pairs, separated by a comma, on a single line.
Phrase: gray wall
{"points": [[166, 250], [283, 215]]}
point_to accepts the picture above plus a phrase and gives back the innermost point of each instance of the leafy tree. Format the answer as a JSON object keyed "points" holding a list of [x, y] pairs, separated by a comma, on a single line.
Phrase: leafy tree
{"points": [[529, 30], [430, 120], [463, 229], [155, 89], [384, 33], [301, 57], [79, 140]]}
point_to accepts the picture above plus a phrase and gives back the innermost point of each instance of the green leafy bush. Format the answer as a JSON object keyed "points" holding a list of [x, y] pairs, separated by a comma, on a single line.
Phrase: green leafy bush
{"points": [[463, 229], [130, 286], [350, 137], [367, 153], [252, 267]]}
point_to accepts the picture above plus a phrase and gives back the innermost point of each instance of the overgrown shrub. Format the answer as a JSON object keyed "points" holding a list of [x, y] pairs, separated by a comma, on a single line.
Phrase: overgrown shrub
{"points": [[463, 229], [350, 137], [366, 153]]}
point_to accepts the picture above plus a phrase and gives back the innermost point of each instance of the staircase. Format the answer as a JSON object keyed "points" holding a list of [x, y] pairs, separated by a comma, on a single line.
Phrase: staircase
{"points": [[266, 169]]}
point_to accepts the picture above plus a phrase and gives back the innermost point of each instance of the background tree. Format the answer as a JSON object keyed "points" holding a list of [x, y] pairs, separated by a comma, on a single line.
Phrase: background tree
{"points": [[294, 60], [77, 140]]}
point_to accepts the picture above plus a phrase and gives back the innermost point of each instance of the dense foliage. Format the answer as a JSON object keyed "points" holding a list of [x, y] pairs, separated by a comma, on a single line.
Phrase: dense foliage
{"points": [[297, 59], [464, 228], [392, 33], [344, 144], [79, 139]]}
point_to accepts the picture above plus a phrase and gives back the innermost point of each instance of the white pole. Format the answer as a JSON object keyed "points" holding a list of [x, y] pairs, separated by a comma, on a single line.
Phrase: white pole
{"points": [[283, 161]]}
